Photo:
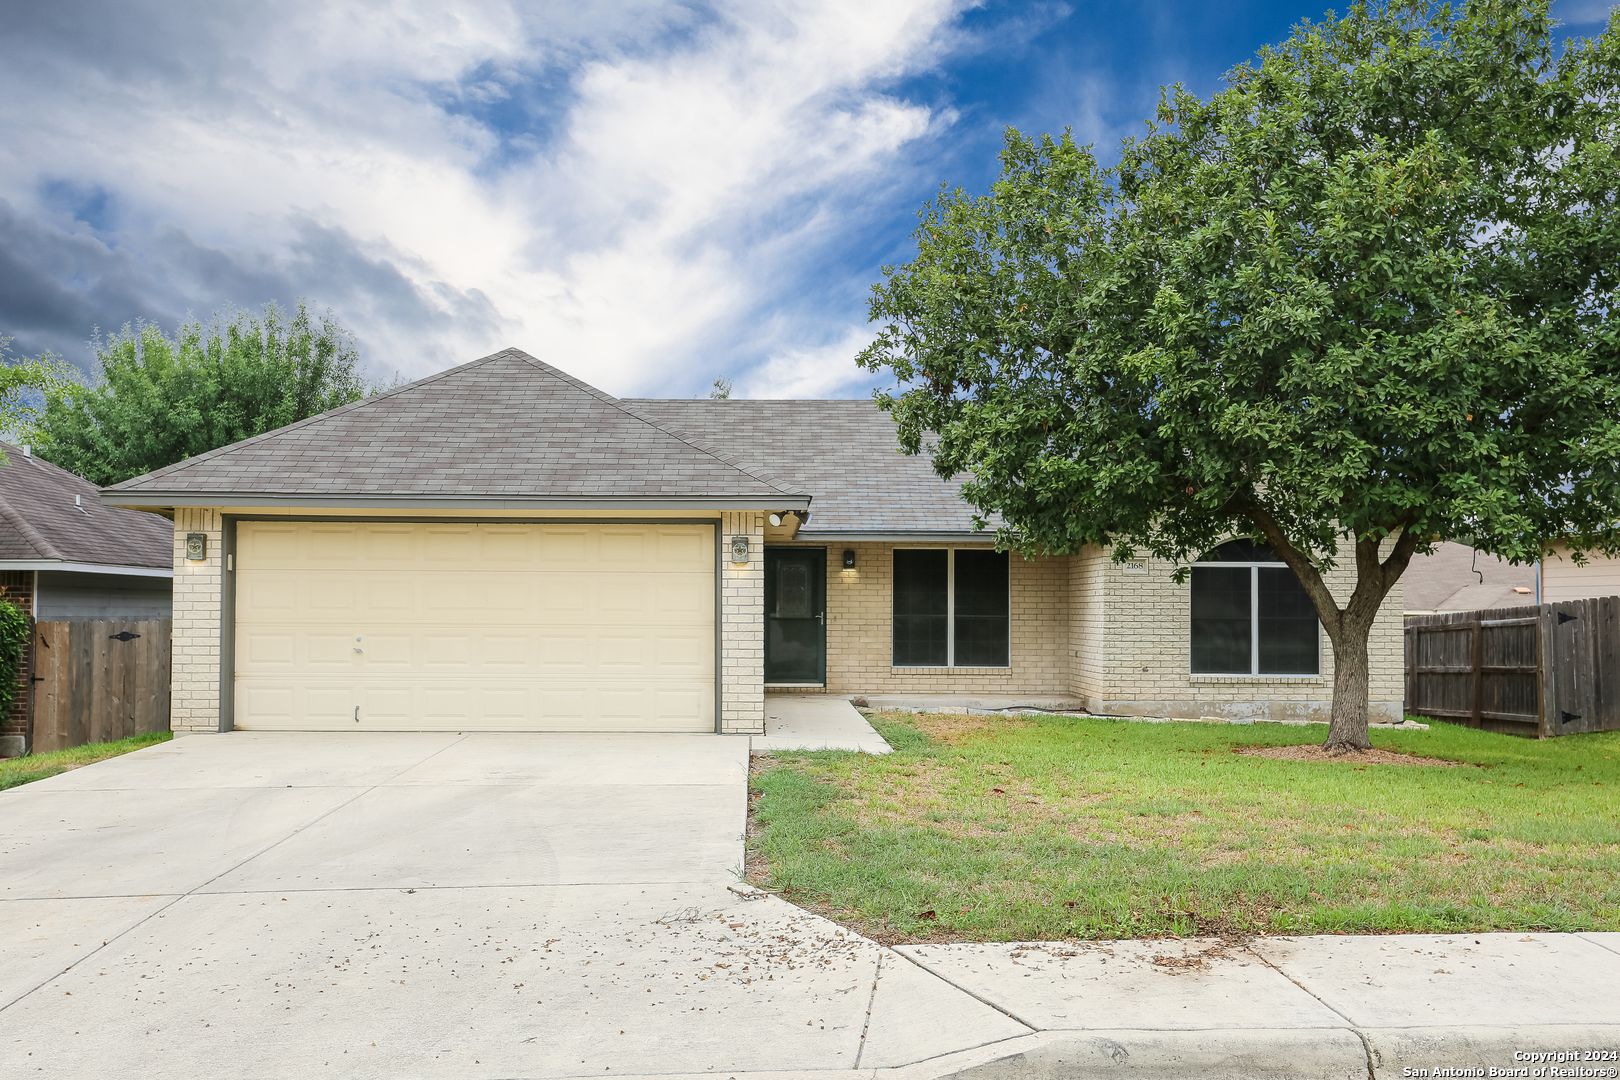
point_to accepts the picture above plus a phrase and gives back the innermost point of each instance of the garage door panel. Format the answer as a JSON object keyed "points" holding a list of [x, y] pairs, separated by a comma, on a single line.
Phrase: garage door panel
{"points": [[516, 627]]}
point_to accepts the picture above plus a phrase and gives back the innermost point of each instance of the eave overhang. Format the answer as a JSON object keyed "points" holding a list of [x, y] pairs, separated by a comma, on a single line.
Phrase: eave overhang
{"points": [[70, 567], [147, 499]]}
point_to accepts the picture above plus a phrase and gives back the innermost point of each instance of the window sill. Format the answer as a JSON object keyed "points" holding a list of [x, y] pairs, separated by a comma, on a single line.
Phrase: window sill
{"points": [[794, 685], [1006, 670], [1253, 678]]}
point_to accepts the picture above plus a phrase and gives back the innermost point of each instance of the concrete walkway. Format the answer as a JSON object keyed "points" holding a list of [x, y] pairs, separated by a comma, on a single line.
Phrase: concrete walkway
{"points": [[816, 722], [564, 905]]}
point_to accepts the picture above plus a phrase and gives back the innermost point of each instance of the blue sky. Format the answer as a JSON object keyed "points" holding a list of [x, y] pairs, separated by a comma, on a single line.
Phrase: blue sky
{"points": [[647, 195]]}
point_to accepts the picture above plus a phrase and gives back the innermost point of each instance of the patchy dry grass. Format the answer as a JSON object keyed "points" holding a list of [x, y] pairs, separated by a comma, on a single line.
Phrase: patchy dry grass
{"points": [[1048, 828]]}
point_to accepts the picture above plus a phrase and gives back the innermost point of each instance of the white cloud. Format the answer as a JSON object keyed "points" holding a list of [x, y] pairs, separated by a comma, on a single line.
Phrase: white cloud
{"points": [[691, 165], [822, 372]]}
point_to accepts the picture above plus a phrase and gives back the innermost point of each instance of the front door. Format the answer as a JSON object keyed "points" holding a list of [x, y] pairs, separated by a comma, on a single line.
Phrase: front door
{"points": [[796, 615]]}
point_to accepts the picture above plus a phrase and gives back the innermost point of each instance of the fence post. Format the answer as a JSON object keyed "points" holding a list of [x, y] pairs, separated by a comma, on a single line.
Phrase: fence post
{"points": [[1547, 691], [1477, 680]]}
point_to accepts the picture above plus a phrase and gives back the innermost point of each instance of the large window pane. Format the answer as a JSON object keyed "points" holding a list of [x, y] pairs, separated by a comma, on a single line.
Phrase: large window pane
{"points": [[920, 608], [1221, 641], [982, 621], [1288, 638]]}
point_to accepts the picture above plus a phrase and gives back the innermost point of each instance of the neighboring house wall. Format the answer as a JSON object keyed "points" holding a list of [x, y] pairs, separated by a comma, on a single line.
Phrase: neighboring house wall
{"points": [[194, 683], [860, 618], [65, 595], [14, 725], [1140, 665], [1562, 580]]}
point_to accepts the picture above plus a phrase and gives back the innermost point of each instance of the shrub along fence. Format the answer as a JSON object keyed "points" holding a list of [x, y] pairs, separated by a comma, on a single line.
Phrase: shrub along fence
{"points": [[1551, 669], [96, 681]]}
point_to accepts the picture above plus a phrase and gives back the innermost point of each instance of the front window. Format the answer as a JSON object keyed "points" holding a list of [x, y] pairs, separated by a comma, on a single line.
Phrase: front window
{"points": [[951, 608], [1250, 615]]}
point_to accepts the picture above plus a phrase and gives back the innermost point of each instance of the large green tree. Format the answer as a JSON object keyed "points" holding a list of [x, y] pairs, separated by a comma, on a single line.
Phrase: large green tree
{"points": [[25, 384], [1356, 301], [158, 399]]}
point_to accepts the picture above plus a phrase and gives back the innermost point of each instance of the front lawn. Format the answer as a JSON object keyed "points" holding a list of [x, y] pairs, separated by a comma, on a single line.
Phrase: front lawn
{"points": [[1040, 828], [23, 770]]}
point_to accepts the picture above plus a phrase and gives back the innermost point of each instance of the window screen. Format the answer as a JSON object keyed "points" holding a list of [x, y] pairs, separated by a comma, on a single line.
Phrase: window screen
{"points": [[1287, 629], [1221, 621], [982, 619], [921, 608]]}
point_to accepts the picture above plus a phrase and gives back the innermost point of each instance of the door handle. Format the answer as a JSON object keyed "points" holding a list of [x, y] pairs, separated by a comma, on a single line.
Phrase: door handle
{"points": [[819, 618]]}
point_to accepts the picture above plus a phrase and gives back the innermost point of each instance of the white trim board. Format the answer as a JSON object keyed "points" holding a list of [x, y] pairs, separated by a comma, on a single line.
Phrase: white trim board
{"points": [[86, 568]]}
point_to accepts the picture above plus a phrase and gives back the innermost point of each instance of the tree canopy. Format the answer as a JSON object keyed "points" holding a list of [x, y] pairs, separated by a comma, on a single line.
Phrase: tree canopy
{"points": [[158, 399], [25, 384], [1357, 300]]}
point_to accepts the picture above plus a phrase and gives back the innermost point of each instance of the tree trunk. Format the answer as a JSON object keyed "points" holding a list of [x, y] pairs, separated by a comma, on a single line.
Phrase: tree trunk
{"points": [[1347, 729]]}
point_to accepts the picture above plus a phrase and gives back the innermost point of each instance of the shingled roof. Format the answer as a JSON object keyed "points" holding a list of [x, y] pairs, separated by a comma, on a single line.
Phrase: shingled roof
{"points": [[40, 524], [506, 430], [844, 453]]}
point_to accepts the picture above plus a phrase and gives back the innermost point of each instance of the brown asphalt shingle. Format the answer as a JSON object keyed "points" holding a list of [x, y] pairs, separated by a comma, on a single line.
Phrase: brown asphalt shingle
{"points": [[506, 425], [39, 521], [844, 453]]}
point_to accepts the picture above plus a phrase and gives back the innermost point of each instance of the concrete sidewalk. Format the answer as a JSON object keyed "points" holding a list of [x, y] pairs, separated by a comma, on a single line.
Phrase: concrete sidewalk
{"points": [[1341, 1007]]}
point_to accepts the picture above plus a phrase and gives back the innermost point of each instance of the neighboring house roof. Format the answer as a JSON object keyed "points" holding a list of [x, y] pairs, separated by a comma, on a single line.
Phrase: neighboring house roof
{"points": [[41, 528], [844, 453], [506, 430], [1451, 580]]}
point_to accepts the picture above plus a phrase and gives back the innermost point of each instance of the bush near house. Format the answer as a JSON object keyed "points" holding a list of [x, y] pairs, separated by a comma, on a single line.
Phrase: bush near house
{"points": [[991, 828]]}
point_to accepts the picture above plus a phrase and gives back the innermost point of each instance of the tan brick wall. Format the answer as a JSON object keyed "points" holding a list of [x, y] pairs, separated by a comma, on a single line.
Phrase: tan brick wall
{"points": [[1139, 664], [860, 609], [1087, 573], [195, 677], [742, 627]]}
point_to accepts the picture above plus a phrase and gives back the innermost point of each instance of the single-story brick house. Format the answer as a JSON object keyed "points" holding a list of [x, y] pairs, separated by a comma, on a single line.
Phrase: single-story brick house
{"points": [[501, 546]]}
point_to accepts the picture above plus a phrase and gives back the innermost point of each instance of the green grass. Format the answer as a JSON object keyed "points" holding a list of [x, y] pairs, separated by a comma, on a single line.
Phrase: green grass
{"points": [[25, 770], [1107, 829]]}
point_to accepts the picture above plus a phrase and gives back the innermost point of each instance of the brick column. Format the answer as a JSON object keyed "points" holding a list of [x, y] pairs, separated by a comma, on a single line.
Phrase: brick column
{"points": [[742, 627], [194, 683], [18, 586]]}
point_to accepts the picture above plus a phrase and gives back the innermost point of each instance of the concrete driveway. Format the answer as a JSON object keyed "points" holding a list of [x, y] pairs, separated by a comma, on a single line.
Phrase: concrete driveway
{"points": [[267, 905]]}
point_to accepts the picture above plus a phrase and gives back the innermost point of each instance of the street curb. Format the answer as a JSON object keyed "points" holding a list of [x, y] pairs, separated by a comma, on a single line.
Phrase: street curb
{"points": [[1229, 1054], [1279, 1054], [1393, 1050]]}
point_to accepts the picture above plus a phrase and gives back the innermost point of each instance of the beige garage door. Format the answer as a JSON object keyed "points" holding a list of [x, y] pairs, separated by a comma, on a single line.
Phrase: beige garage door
{"points": [[431, 627]]}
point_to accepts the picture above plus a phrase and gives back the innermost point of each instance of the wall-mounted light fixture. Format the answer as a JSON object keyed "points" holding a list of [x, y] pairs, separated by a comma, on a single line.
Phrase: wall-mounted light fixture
{"points": [[196, 546], [739, 549], [849, 558]]}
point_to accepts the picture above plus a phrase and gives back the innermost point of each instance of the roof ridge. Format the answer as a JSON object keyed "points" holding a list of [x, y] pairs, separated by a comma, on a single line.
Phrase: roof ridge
{"points": [[680, 436], [47, 466], [231, 448], [722, 402]]}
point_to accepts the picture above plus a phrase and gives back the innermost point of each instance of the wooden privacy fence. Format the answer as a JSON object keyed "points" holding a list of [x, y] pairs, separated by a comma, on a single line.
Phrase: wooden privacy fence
{"points": [[96, 681], [1553, 669]]}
